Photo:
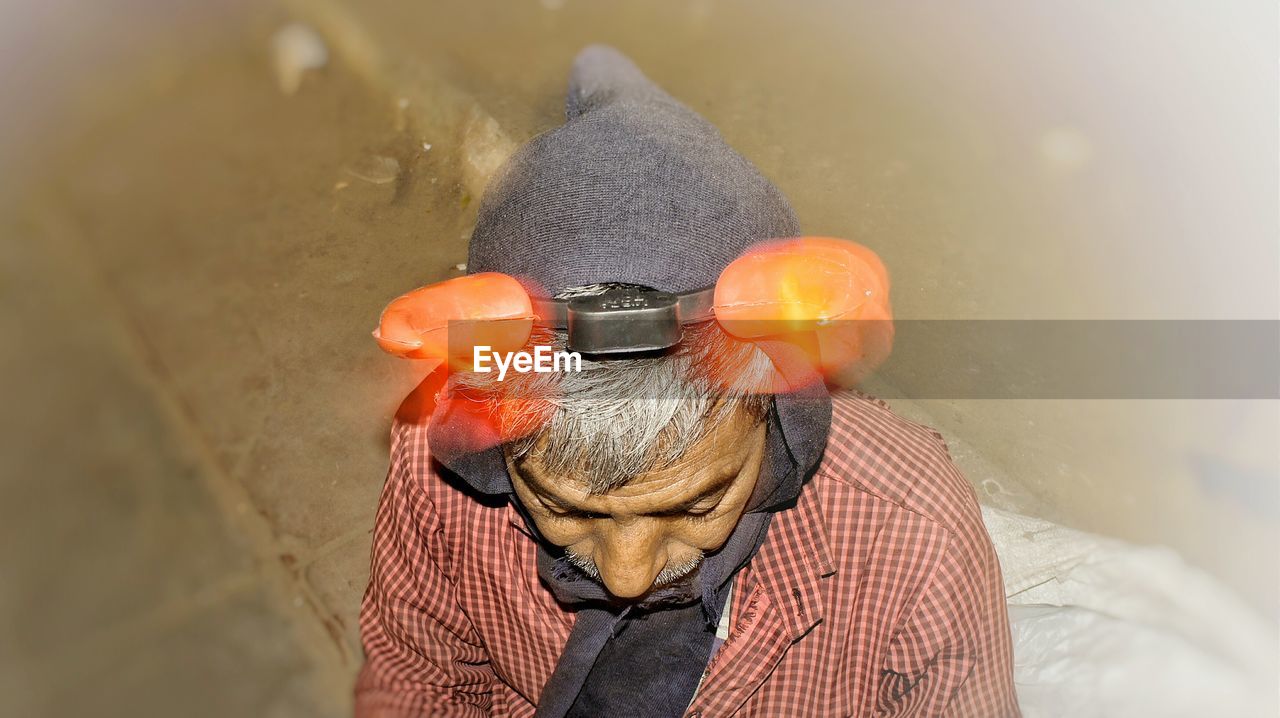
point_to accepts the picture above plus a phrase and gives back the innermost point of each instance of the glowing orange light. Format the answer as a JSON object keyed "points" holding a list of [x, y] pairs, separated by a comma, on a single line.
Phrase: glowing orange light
{"points": [[447, 319], [420, 404], [827, 296], [443, 323]]}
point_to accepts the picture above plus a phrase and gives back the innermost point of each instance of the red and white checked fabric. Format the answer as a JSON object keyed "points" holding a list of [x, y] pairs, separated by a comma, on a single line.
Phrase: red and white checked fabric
{"points": [[878, 594]]}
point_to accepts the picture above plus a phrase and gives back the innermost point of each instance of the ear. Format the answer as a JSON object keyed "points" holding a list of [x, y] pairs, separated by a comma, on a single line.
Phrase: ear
{"points": [[446, 320], [829, 296]]}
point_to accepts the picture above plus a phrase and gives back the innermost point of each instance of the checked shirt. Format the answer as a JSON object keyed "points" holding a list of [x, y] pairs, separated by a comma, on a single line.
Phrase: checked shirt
{"points": [[878, 594]]}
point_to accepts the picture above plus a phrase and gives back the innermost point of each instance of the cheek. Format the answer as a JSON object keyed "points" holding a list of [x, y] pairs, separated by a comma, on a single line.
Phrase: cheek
{"points": [[711, 534]]}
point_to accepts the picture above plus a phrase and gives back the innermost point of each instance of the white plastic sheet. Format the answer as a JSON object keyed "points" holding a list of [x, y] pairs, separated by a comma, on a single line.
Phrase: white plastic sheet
{"points": [[1104, 628]]}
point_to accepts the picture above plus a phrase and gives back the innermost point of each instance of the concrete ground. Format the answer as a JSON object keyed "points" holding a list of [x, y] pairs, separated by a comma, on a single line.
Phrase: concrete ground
{"points": [[195, 428], [190, 482]]}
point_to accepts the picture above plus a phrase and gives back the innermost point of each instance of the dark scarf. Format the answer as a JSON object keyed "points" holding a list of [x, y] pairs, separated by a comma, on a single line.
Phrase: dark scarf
{"points": [[637, 188]]}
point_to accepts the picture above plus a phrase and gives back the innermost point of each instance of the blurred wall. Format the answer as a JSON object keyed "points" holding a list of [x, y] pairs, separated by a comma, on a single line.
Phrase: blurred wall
{"points": [[1008, 160], [1099, 161]]}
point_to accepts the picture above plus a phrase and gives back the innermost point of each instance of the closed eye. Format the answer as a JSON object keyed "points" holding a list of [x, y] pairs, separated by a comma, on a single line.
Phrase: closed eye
{"points": [[573, 513], [702, 513], [696, 509], [700, 510]]}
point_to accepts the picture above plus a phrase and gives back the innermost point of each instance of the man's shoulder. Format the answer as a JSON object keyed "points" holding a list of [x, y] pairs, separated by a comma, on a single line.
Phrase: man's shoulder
{"points": [[873, 450], [413, 466]]}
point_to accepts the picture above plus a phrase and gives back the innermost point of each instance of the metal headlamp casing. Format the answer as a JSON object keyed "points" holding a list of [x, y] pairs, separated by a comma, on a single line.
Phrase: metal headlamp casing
{"points": [[626, 319]]}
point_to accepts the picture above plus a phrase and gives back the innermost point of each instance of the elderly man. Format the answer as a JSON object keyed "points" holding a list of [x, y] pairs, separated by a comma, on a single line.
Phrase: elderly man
{"points": [[654, 535]]}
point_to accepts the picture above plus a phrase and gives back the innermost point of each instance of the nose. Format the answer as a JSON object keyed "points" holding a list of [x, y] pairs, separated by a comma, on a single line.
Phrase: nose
{"points": [[630, 556]]}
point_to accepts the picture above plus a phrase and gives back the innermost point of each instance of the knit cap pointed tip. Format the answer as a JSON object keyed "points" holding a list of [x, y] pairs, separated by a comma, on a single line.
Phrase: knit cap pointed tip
{"points": [[601, 73]]}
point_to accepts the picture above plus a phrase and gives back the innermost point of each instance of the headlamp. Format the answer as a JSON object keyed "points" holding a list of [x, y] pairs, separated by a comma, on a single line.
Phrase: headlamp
{"points": [[624, 320]]}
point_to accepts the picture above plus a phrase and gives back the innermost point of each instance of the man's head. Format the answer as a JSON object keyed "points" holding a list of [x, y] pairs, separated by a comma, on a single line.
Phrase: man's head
{"points": [[636, 466], [634, 187], [653, 530]]}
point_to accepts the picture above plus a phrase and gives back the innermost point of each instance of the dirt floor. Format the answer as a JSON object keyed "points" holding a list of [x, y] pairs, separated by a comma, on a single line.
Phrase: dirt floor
{"points": [[193, 293]]}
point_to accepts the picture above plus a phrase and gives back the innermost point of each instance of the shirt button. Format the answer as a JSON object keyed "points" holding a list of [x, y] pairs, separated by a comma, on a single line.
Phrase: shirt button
{"points": [[695, 714]]}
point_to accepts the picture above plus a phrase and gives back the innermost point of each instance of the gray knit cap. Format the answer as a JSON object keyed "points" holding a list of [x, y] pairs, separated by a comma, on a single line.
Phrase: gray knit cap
{"points": [[634, 187]]}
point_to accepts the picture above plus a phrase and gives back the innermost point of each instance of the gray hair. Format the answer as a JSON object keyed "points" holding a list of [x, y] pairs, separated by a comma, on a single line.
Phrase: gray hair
{"points": [[618, 418]]}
